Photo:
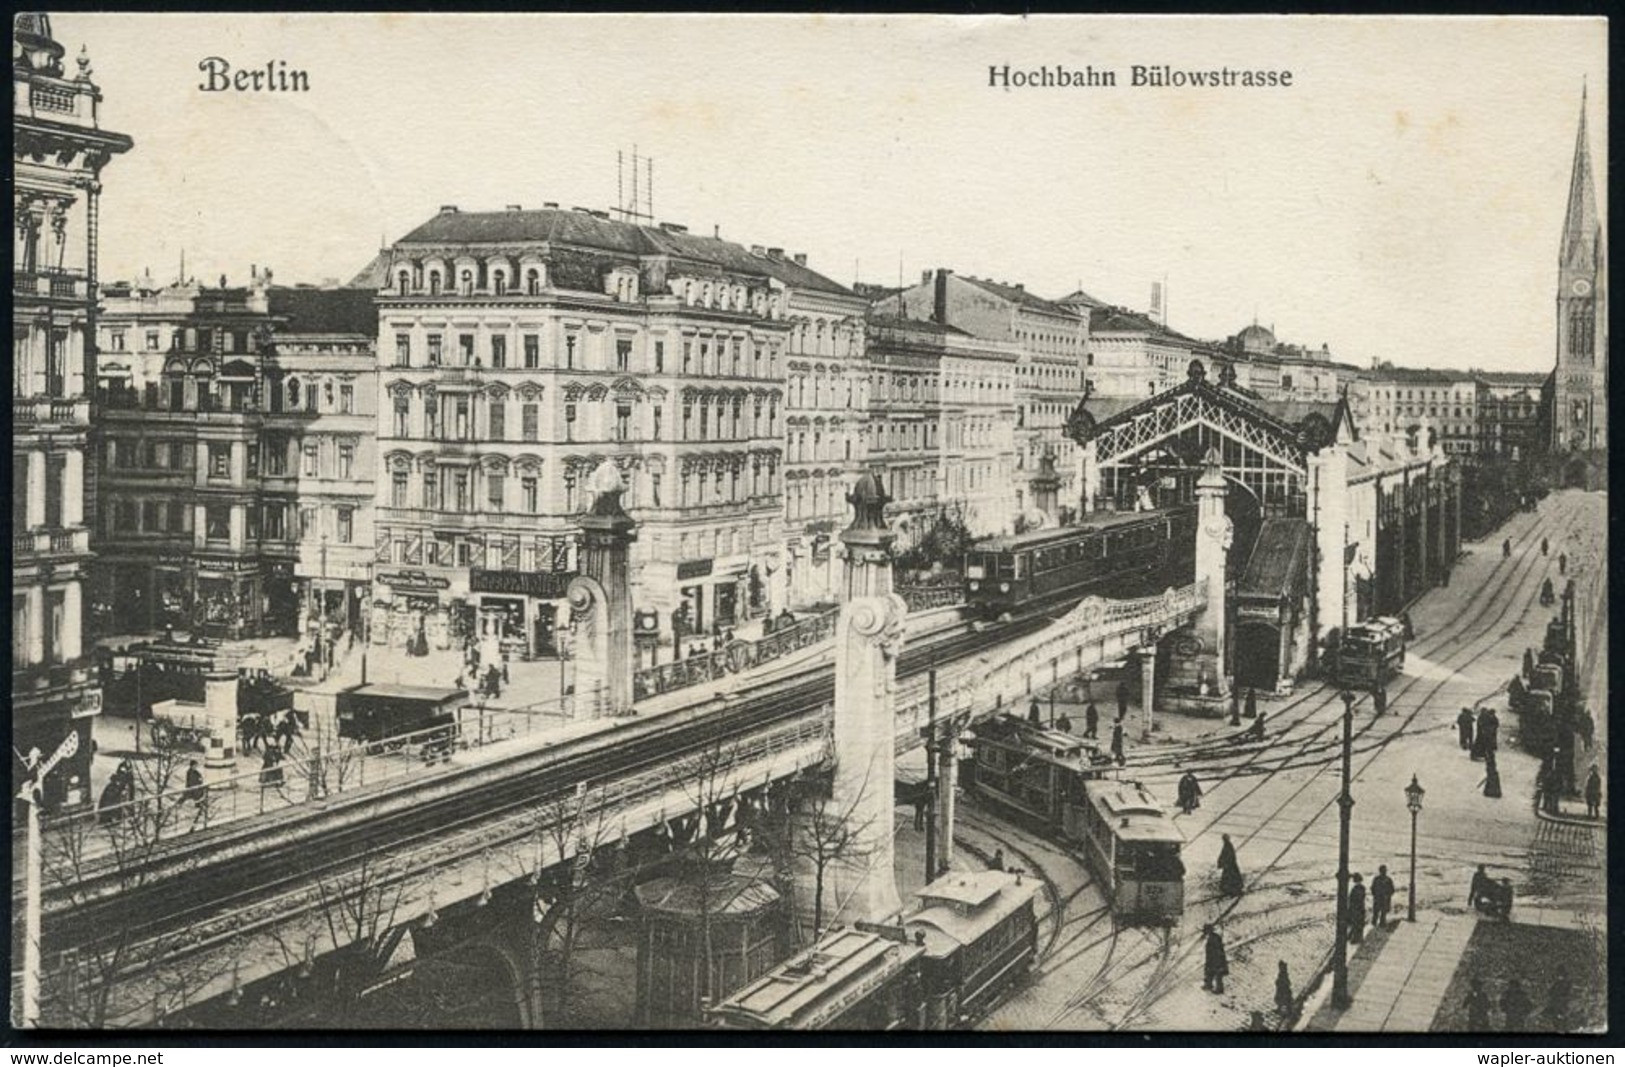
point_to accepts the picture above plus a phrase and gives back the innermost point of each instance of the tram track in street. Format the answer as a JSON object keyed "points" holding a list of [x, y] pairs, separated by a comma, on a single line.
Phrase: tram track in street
{"points": [[1510, 583]]}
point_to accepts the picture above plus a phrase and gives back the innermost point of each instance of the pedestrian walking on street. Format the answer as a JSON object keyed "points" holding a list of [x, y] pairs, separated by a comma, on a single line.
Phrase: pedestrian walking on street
{"points": [[1464, 728], [1558, 997], [1231, 883], [1379, 699], [1544, 546], [1562, 563], [1594, 793], [287, 728], [1382, 896], [1284, 1001], [1091, 720], [1252, 703], [1515, 1007], [1190, 792], [1405, 621], [1117, 744], [1357, 911], [1215, 964], [1478, 1007], [1122, 699], [1256, 731], [1492, 776], [1506, 549], [194, 784], [1035, 713], [1489, 728]]}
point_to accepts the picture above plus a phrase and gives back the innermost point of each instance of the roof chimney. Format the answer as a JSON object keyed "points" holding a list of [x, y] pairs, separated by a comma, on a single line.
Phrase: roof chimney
{"points": [[551, 205], [775, 253], [758, 250], [939, 302], [925, 277], [800, 258], [448, 209], [515, 207], [583, 210]]}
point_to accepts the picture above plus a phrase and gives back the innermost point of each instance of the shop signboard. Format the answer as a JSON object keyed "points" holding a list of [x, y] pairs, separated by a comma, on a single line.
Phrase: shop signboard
{"points": [[545, 585], [693, 568]]}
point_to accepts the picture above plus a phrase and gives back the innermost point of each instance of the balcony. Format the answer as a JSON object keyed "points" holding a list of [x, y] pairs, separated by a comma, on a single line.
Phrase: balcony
{"points": [[40, 544], [49, 411], [51, 284]]}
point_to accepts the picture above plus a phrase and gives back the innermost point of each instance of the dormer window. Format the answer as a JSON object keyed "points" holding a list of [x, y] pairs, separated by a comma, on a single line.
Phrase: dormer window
{"points": [[533, 282]]}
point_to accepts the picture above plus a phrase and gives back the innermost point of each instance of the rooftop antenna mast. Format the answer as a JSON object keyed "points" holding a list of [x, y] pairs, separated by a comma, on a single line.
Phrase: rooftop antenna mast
{"points": [[639, 206]]}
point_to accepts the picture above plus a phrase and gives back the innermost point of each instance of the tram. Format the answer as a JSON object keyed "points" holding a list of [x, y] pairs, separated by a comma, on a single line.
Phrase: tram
{"points": [[1133, 846], [1057, 781], [1371, 652], [973, 935], [1003, 573], [387, 715], [979, 930]]}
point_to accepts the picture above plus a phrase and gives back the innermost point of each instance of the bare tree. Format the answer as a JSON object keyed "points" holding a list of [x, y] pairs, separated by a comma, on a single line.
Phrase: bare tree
{"points": [[575, 827], [86, 857], [825, 833]]}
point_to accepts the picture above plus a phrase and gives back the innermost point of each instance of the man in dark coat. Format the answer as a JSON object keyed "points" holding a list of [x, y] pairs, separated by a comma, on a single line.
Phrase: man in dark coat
{"points": [[1231, 883], [1594, 793], [1562, 563], [1190, 792], [1252, 703], [1489, 727], [1284, 1001], [1117, 743], [1064, 723], [1481, 887], [1256, 731], [1478, 1007], [1356, 912], [1464, 728], [1382, 896], [1035, 713], [1215, 964], [1515, 1007], [1091, 719], [1506, 549], [1545, 546], [1379, 699]]}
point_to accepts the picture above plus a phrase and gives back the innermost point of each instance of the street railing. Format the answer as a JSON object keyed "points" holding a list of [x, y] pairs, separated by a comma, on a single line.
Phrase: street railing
{"points": [[928, 597], [733, 658], [321, 765]]}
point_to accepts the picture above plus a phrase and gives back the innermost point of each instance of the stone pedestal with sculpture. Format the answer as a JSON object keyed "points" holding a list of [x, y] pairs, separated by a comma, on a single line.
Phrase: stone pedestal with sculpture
{"points": [[601, 600], [868, 639]]}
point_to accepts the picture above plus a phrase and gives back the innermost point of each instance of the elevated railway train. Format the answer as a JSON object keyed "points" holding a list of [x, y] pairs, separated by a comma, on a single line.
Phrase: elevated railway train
{"points": [[1110, 553], [971, 938], [1058, 782]]}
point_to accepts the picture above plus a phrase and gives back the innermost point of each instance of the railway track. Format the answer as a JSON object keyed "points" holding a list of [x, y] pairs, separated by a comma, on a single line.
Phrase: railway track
{"points": [[195, 880]]}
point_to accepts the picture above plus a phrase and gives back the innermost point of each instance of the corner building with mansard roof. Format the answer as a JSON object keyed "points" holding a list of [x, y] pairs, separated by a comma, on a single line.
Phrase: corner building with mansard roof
{"points": [[517, 351]]}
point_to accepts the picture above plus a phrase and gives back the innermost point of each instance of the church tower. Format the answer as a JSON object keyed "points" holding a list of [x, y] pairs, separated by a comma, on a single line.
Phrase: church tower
{"points": [[1579, 416]]}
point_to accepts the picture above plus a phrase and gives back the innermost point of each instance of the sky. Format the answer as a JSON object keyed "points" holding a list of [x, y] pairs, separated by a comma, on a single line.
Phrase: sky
{"points": [[1402, 199]]}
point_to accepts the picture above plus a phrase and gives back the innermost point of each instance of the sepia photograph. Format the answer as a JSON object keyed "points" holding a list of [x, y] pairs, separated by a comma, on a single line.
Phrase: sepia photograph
{"points": [[1076, 525]]}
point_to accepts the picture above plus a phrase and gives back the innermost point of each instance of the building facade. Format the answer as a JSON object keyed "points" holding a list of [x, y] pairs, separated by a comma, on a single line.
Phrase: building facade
{"points": [[1508, 407], [237, 442], [1437, 406], [59, 151], [519, 349], [827, 437], [1053, 346]]}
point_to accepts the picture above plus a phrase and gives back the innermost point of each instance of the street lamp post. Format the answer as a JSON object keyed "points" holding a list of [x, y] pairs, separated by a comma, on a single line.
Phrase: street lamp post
{"points": [[1413, 801], [33, 794], [1345, 804]]}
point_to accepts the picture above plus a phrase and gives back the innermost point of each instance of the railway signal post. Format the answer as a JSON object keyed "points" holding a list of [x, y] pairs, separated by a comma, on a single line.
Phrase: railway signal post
{"points": [[1345, 809]]}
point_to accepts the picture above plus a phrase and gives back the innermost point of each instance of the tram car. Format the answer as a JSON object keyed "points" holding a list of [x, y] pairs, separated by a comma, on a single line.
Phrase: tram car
{"points": [[1371, 652], [1004, 573], [851, 979], [1057, 781], [389, 716], [1033, 772], [1134, 846], [979, 930]]}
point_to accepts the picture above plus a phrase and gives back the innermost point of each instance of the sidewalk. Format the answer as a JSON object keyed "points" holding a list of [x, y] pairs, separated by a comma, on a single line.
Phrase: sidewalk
{"points": [[1408, 968]]}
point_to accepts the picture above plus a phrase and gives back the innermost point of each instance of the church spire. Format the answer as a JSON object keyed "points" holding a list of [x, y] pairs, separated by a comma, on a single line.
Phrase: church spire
{"points": [[1582, 231]]}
